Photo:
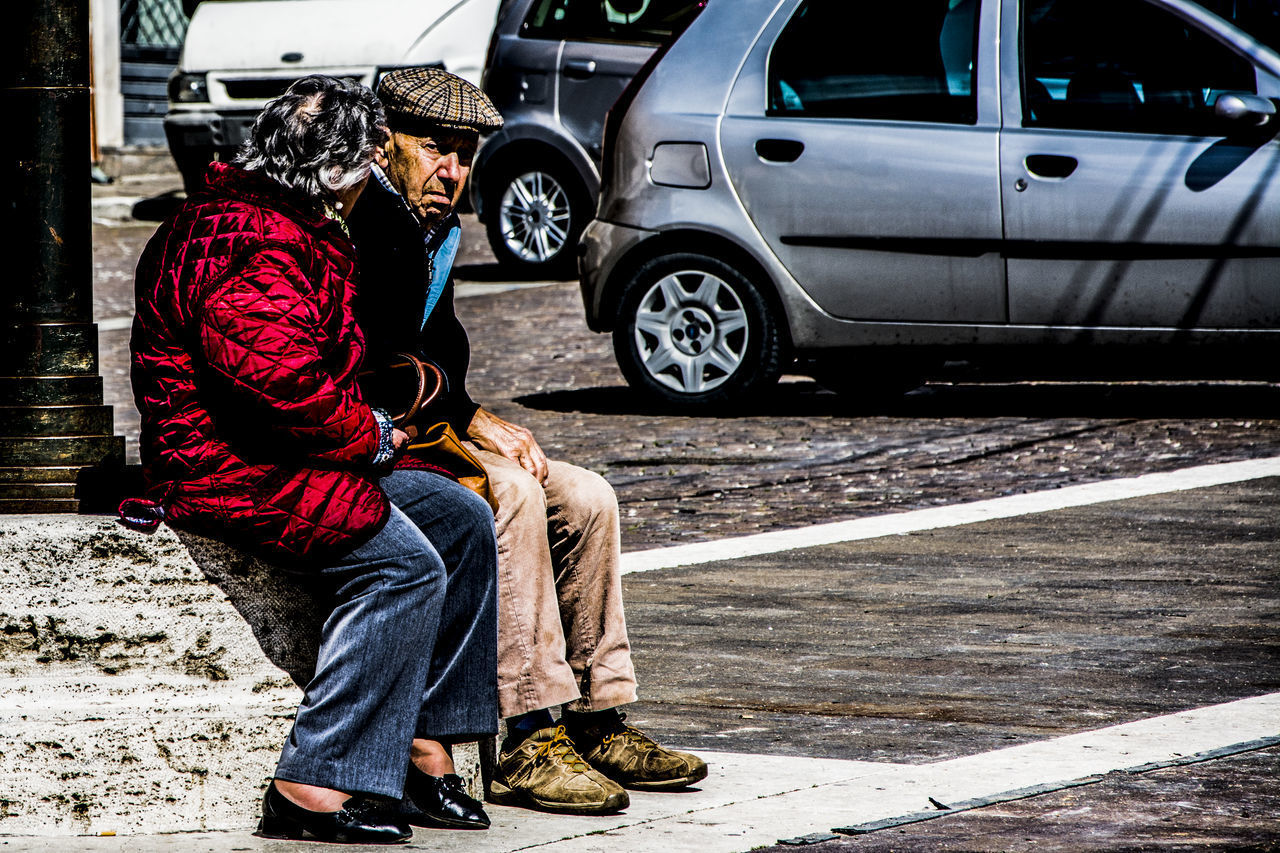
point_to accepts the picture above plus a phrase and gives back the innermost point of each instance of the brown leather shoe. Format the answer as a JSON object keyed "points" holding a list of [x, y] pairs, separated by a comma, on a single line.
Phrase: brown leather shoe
{"points": [[633, 759], [545, 772]]}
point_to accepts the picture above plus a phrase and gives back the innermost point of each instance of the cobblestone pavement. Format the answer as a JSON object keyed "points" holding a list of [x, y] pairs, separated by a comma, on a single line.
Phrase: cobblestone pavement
{"points": [[798, 455], [803, 455]]}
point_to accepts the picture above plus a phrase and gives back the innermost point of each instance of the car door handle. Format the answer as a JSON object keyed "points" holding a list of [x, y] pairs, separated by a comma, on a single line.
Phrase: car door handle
{"points": [[779, 150], [1051, 165], [579, 69]]}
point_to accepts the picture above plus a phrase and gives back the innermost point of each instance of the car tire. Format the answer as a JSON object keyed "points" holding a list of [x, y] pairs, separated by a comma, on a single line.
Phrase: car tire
{"points": [[193, 179], [193, 165], [693, 331], [534, 216]]}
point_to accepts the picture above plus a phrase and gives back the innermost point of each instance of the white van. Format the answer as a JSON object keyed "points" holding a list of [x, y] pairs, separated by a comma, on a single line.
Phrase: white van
{"points": [[239, 54]]}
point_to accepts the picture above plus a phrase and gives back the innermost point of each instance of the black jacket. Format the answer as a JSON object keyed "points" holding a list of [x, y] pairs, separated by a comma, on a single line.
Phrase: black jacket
{"points": [[393, 293]]}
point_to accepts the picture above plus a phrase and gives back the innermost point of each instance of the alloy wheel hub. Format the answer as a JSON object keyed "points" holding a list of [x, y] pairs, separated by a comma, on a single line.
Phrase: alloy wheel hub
{"points": [[693, 330], [534, 217]]}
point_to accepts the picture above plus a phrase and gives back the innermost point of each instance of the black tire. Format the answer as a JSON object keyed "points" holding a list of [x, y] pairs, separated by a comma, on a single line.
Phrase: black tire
{"points": [[193, 179], [707, 335], [193, 164], [534, 214]]}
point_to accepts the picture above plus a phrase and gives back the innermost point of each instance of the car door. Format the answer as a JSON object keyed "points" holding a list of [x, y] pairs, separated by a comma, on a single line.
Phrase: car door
{"points": [[603, 43], [592, 74], [520, 72], [1127, 202], [862, 140]]}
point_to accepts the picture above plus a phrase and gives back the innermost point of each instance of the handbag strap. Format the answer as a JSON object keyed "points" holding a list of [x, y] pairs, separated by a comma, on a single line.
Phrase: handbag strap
{"points": [[430, 383]]}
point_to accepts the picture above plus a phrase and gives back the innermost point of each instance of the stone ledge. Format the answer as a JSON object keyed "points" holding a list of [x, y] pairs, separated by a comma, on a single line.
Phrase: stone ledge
{"points": [[135, 695]]}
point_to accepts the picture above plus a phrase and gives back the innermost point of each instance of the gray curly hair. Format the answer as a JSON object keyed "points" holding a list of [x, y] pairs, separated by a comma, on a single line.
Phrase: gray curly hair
{"points": [[318, 138]]}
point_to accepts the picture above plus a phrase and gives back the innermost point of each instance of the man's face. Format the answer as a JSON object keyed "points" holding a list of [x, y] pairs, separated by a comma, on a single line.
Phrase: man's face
{"points": [[430, 171]]}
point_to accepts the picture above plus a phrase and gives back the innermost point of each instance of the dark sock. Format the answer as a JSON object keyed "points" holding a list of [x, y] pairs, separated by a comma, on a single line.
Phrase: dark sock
{"points": [[582, 720], [521, 726]]}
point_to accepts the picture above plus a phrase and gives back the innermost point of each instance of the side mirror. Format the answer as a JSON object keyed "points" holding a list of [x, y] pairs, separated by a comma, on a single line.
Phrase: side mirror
{"points": [[1244, 109]]}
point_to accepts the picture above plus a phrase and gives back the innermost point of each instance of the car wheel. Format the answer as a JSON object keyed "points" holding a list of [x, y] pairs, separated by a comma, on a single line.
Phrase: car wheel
{"points": [[534, 218], [193, 164], [193, 179], [693, 331]]}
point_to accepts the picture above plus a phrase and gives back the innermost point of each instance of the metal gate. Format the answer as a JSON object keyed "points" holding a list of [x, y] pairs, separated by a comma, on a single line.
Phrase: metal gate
{"points": [[151, 33]]}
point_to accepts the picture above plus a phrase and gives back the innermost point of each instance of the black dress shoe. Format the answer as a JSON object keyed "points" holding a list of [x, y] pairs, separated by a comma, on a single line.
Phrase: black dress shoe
{"points": [[441, 802], [359, 821]]}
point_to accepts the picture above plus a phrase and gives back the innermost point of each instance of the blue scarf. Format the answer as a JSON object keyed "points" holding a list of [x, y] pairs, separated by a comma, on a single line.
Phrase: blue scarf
{"points": [[440, 260]]}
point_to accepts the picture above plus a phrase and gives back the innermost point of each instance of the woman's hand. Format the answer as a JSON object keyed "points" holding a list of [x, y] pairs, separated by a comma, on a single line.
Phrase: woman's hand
{"points": [[399, 440], [517, 443]]}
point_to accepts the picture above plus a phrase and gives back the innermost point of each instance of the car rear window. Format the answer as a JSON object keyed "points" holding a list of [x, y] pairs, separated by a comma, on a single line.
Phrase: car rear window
{"points": [[650, 22], [907, 61]]}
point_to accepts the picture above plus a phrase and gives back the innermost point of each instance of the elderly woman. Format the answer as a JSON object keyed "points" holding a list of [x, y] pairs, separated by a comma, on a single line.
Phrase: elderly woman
{"points": [[245, 359]]}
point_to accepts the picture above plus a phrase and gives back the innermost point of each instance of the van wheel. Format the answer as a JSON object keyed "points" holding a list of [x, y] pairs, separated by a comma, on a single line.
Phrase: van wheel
{"points": [[693, 331], [534, 218], [193, 165]]}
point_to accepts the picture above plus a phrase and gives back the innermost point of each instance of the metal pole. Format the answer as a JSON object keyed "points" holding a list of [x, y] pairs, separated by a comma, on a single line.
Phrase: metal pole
{"points": [[53, 425]]}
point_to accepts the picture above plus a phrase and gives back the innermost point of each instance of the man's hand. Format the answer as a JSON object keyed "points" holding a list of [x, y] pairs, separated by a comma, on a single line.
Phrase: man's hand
{"points": [[492, 433]]}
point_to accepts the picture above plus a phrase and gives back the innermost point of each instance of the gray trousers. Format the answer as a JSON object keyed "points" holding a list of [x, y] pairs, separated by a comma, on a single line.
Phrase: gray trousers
{"points": [[410, 648]]}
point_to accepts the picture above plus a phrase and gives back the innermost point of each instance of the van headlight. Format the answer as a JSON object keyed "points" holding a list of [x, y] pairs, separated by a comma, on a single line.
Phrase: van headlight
{"points": [[187, 88]]}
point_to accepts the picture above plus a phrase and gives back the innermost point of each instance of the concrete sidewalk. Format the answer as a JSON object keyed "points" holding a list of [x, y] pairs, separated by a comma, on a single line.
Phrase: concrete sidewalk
{"points": [[752, 800]]}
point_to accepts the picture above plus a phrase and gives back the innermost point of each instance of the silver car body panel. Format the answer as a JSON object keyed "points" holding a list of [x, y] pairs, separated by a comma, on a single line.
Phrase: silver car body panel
{"points": [[900, 211], [927, 298], [1108, 246]]}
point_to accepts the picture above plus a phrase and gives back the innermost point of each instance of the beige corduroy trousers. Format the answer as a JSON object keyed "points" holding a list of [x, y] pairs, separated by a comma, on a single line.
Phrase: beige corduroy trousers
{"points": [[562, 634]]}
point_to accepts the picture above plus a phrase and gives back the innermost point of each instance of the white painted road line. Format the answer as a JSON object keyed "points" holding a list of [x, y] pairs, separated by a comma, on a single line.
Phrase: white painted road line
{"points": [[950, 516], [874, 792]]}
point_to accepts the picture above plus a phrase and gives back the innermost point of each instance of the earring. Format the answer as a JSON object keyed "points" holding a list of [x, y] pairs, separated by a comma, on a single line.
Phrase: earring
{"points": [[337, 206]]}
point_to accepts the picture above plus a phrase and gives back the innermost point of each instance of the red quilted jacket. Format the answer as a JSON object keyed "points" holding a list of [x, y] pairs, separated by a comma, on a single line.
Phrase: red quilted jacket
{"points": [[245, 355]]}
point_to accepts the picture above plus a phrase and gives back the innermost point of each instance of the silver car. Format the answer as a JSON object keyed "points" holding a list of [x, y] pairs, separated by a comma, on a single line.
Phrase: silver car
{"points": [[805, 184]]}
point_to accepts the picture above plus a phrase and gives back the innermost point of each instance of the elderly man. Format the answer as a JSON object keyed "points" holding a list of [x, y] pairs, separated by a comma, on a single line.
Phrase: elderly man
{"points": [[562, 637]]}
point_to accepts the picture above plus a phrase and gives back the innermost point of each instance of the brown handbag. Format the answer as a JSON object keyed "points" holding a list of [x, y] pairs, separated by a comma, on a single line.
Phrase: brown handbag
{"points": [[435, 444]]}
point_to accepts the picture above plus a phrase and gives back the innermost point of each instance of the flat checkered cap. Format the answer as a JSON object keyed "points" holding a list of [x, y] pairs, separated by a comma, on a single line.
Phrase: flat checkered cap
{"points": [[423, 98]]}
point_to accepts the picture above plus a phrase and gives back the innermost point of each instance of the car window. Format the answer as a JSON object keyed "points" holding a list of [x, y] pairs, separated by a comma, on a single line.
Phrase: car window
{"points": [[629, 21], [1084, 69], [909, 61]]}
